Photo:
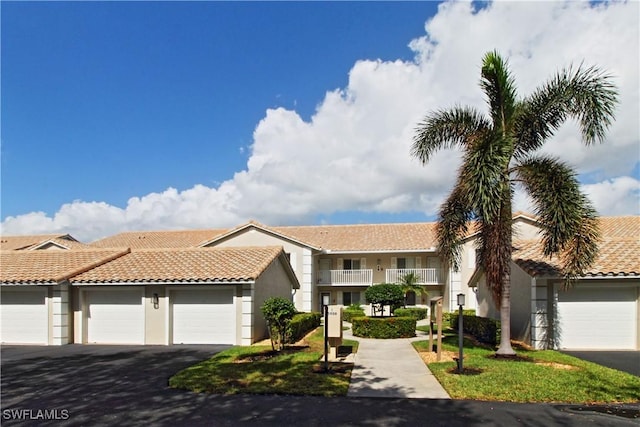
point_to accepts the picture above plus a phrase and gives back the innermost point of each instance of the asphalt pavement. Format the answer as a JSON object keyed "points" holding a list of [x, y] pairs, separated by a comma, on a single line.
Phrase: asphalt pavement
{"points": [[626, 361], [86, 385]]}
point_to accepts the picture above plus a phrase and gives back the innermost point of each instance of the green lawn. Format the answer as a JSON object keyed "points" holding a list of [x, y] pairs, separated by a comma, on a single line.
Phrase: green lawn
{"points": [[296, 370], [536, 376]]}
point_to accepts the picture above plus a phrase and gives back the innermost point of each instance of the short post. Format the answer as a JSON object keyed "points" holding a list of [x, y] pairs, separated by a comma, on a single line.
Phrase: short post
{"points": [[439, 320], [460, 333], [326, 338]]}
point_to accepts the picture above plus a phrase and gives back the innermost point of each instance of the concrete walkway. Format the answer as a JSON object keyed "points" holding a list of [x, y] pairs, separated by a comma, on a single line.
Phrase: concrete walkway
{"points": [[391, 368]]}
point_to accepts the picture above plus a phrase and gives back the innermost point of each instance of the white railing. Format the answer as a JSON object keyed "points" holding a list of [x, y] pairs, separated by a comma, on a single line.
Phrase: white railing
{"points": [[345, 277], [426, 276]]}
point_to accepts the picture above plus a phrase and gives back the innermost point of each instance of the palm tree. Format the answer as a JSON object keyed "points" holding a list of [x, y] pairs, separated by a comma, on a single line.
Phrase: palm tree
{"points": [[409, 283], [499, 152]]}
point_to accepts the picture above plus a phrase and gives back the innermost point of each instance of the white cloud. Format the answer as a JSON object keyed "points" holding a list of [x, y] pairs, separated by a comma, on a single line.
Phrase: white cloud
{"points": [[354, 152], [617, 196]]}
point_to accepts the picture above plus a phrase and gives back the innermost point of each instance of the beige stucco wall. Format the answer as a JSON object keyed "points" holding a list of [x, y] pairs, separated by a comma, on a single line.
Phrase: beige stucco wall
{"points": [[520, 304], [301, 260], [155, 321], [273, 282], [76, 312], [524, 229]]}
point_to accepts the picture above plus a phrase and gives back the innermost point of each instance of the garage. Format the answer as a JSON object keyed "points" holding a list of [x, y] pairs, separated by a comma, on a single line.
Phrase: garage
{"points": [[24, 316], [115, 316], [203, 316], [598, 318]]}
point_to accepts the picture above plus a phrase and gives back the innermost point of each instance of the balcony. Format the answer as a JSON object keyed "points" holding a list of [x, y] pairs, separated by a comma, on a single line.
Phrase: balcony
{"points": [[345, 277], [426, 276]]}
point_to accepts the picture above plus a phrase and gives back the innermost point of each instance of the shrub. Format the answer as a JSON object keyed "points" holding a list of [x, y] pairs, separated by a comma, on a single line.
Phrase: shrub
{"points": [[448, 315], [278, 312], [301, 324], [483, 329], [388, 327], [415, 312], [384, 294], [348, 314]]}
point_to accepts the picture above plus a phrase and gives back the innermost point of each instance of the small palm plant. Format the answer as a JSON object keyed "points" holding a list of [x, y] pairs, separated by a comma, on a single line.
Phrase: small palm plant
{"points": [[409, 283]]}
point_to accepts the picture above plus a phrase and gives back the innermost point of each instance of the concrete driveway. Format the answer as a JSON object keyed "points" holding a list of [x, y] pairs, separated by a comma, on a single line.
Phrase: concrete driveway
{"points": [[626, 361], [127, 385]]}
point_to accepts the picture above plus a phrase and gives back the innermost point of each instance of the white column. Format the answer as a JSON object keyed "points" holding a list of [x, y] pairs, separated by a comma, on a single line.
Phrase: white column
{"points": [[539, 320], [247, 315], [60, 315], [307, 286]]}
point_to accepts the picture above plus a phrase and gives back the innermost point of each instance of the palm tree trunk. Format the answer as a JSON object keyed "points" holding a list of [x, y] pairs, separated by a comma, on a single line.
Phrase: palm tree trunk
{"points": [[505, 320], [506, 216]]}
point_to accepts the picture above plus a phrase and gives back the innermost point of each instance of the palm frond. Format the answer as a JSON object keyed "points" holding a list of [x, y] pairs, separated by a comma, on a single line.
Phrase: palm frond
{"points": [[446, 129], [581, 250], [586, 94], [499, 87], [485, 174], [452, 226], [559, 203]]}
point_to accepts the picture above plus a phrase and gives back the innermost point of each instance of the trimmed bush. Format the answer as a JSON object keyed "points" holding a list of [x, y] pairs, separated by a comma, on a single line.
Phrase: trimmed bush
{"points": [[349, 313], [301, 325], [384, 294], [483, 329], [447, 316], [415, 312], [384, 327]]}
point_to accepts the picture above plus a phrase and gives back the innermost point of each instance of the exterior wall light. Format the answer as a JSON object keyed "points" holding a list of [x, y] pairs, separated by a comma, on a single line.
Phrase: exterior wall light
{"points": [[156, 300]]}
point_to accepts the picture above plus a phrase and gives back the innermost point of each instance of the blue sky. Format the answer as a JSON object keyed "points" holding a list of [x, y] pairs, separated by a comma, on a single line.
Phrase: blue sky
{"points": [[128, 115]]}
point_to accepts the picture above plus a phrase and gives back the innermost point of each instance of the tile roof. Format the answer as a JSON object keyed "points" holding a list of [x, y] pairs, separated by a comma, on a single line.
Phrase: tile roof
{"points": [[25, 242], [365, 237], [60, 242], [619, 253], [19, 267], [187, 265], [158, 239], [347, 238]]}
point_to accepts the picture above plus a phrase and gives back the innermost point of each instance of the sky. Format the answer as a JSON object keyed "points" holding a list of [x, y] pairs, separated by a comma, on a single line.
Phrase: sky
{"points": [[119, 116]]}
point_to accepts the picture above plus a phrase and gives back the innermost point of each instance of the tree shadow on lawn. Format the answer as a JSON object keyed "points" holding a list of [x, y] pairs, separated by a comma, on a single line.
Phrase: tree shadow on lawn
{"points": [[129, 387]]}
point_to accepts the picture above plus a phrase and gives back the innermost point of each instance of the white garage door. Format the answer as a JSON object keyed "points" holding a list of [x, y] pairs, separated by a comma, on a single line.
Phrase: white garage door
{"points": [[115, 317], [24, 316], [598, 318], [203, 316]]}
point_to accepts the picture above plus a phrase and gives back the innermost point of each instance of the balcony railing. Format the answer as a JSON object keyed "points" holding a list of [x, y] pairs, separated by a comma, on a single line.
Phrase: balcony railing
{"points": [[345, 277], [426, 276]]}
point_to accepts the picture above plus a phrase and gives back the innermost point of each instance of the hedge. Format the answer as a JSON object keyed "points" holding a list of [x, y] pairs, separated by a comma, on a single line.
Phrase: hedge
{"points": [[384, 327], [349, 313], [416, 312], [447, 316], [301, 324], [483, 329]]}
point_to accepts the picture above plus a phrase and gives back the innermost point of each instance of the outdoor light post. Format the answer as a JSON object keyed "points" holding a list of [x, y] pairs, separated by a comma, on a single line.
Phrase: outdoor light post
{"points": [[460, 332]]}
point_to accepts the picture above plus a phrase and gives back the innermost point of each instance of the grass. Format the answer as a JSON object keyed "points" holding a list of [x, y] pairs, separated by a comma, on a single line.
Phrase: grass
{"points": [[534, 376], [297, 370]]}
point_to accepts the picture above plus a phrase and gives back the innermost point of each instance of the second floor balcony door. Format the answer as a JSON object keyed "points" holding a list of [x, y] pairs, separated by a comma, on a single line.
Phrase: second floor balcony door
{"points": [[353, 264]]}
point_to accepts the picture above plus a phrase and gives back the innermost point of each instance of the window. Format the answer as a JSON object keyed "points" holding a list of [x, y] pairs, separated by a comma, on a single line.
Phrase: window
{"points": [[351, 264], [404, 263], [349, 298], [410, 298]]}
